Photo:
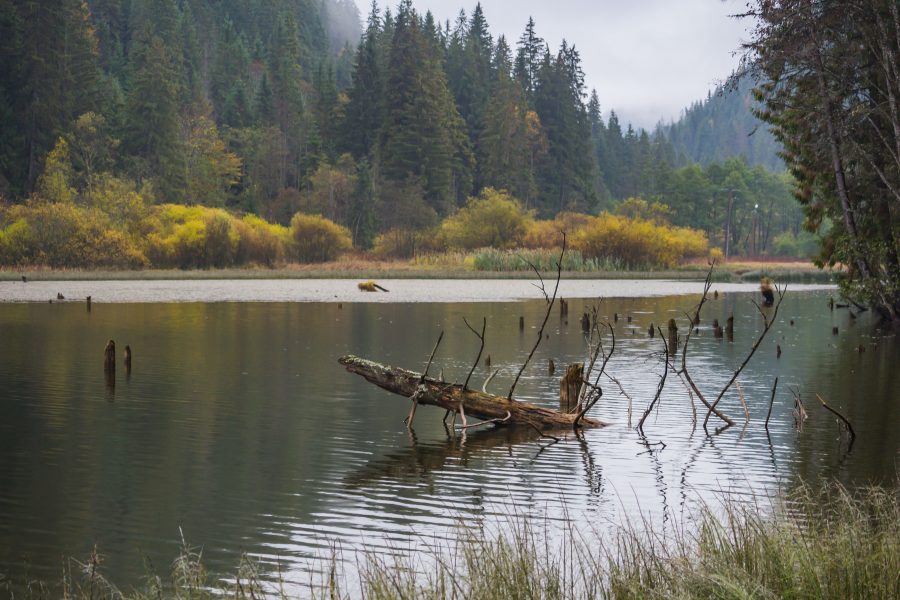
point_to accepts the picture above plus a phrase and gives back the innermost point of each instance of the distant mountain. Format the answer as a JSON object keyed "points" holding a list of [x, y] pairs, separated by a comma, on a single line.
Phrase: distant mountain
{"points": [[723, 126]]}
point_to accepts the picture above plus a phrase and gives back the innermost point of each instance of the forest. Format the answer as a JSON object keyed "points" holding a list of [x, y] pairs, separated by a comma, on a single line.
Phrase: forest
{"points": [[192, 133]]}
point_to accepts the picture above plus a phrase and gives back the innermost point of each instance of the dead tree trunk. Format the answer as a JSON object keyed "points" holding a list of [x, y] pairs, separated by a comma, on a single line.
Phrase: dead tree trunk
{"points": [[570, 389], [452, 397]]}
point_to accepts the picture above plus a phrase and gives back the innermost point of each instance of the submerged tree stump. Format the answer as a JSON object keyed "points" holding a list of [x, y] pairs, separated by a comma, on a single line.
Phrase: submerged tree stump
{"points": [[673, 337], [109, 356], [570, 389], [452, 397]]}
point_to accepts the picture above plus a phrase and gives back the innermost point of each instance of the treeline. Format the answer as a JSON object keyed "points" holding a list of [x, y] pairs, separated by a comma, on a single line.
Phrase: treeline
{"points": [[724, 125], [260, 108]]}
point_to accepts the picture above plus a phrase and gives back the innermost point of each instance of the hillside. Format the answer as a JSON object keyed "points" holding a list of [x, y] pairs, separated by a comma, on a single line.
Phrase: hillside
{"points": [[723, 126]]}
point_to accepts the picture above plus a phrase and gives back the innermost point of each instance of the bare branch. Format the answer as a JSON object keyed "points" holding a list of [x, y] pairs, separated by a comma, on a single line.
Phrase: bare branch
{"points": [[839, 416], [771, 402], [762, 336], [489, 421], [420, 389], [684, 369], [662, 383], [488, 380], [480, 349], [550, 302]]}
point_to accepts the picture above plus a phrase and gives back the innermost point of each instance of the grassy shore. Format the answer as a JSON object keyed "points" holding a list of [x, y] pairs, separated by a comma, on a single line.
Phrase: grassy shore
{"points": [[442, 267], [831, 544]]}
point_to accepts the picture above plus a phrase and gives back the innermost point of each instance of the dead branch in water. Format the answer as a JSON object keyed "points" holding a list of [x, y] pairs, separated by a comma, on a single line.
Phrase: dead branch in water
{"points": [[419, 391], [662, 384], [592, 392], [771, 402], [839, 416], [454, 398], [762, 336], [480, 349], [550, 301], [684, 369]]}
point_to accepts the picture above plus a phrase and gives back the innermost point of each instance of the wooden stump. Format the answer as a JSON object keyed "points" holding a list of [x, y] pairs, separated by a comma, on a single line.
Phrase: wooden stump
{"points": [[570, 389], [109, 356], [729, 328], [673, 337], [109, 369], [126, 357]]}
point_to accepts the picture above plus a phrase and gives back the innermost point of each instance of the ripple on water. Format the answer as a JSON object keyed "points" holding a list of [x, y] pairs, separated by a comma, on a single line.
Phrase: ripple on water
{"points": [[238, 426]]}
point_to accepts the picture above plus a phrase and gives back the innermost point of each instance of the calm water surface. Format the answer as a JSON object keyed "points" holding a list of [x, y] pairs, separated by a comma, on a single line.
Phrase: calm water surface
{"points": [[238, 426]]}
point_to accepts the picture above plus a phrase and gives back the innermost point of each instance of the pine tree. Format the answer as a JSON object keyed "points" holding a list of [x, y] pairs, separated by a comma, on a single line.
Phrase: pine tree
{"points": [[531, 49], [153, 133], [568, 180], [505, 141], [421, 132], [64, 78]]}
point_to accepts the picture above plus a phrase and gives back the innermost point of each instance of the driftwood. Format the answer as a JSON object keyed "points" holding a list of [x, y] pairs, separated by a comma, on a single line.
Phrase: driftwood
{"points": [[453, 397]]}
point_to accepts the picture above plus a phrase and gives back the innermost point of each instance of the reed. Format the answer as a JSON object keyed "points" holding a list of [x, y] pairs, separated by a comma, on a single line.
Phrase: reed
{"points": [[831, 543]]}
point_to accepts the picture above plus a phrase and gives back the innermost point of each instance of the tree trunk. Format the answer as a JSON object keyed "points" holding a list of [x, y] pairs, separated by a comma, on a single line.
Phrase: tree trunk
{"points": [[452, 396]]}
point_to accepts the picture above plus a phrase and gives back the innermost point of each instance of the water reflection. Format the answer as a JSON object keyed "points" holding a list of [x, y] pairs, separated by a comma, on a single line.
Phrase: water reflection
{"points": [[239, 426]]}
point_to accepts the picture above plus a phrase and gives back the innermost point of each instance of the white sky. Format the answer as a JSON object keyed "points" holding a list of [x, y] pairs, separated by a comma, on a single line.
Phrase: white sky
{"points": [[648, 59]]}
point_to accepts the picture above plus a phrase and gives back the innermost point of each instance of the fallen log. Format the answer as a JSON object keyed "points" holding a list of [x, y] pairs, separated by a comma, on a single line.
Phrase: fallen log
{"points": [[452, 397]]}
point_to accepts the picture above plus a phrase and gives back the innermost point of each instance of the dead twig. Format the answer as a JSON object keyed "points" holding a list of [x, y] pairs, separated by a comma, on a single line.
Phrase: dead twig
{"points": [[743, 402], [684, 369], [488, 380], [662, 384], [550, 302], [771, 402], [480, 349], [420, 389], [756, 345], [489, 421], [839, 416], [591, 391], [542, 434]]}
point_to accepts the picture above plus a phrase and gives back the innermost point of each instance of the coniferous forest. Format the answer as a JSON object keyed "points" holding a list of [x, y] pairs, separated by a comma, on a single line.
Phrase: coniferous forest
{"points": [[195, 133]]}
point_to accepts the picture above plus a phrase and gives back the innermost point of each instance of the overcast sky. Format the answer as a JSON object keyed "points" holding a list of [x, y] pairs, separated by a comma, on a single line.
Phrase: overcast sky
{"points": [[648, 59]]}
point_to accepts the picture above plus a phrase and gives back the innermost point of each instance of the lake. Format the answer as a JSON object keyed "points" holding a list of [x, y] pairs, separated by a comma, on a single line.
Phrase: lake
{"points": [[238, 427]]}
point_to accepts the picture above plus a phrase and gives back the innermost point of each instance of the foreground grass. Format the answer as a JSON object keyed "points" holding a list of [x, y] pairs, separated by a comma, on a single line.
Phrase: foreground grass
{"points": [[443, 266], [834, 544]]}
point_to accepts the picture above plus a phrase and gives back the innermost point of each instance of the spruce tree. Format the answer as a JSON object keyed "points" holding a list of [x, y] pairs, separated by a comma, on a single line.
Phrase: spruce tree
{"points": [[152, 130]]}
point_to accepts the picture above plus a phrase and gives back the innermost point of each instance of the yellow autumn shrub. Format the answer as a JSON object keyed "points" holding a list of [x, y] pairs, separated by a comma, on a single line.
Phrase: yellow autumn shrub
{"points": [[260, 242], [494, 219], [638, 243], [317, 239]]}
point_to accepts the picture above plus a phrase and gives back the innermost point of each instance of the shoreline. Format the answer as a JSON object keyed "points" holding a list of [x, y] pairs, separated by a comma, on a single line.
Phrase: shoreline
{"points": [[339, 291], [787, 272]]}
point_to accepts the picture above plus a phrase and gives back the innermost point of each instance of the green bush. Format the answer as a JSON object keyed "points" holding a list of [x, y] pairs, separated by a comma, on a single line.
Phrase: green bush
{"points": [[494, 219], [802, 245]]}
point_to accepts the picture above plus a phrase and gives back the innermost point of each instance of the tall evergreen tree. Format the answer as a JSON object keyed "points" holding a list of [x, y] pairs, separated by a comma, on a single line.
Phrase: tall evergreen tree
{"points": [[531, 49], [568, 179], [153, 133], [420, 137]]}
